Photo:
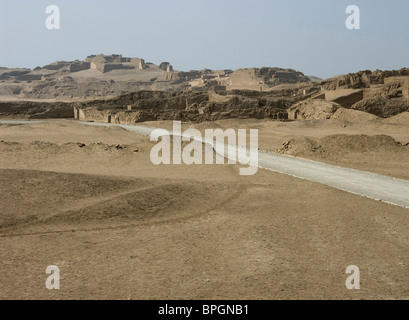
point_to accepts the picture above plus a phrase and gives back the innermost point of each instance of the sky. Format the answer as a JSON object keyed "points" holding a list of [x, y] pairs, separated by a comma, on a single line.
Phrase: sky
{"points": [[308, 36]]}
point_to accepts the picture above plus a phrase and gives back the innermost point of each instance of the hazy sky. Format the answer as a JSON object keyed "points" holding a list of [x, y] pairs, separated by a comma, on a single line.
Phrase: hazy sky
{"points": [[306, 35]]}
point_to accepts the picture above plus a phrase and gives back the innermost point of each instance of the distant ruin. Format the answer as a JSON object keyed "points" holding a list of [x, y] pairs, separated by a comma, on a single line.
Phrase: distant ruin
{"points": [[263, 79], [105, 63], [165, 66], [138, 63], [164, 93], [382, 100], [79, 66], [123, 74]]}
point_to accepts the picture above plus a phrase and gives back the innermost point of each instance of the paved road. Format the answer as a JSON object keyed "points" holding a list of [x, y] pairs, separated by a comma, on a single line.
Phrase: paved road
{"points": [[367, 184], [374, 186]]}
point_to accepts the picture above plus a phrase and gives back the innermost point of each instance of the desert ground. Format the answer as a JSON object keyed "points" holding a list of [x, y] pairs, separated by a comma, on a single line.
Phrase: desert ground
{"points": [[88, 200]]}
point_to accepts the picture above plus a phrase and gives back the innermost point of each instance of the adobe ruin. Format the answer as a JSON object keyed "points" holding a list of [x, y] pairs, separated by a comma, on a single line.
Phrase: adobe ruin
{"points": [[79, 66], [165, 66]]}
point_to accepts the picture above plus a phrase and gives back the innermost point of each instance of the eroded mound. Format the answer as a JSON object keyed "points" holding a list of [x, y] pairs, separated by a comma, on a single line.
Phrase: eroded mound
{"points": [[61, 201], [353, 115], [313, 109], [335, 145], [402, 118]]}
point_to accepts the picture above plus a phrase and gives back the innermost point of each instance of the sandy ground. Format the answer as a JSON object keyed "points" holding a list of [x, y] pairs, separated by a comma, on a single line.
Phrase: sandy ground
{"points": [[88, 200]]}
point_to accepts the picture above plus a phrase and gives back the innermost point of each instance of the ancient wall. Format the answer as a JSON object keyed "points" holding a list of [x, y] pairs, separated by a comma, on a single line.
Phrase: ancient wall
{"points": [[400, 79], [286, 75], [293, 114], [93, 114], [115, 58], [214, 97], [243, 79], [29, 77], [112, 66], [76, 112], [75, 67], [319, 96], [344, 97], [36, 110], [312, 109], [108, 116], [81, 115], [54, 112], [138, 63], [56, 65], [405, 90], [190, 75], [104, 63], [97, 66], [165, 66]]}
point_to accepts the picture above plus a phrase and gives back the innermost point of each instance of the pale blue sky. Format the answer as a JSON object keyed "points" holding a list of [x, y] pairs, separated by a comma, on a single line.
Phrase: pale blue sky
{"points": [[309, 36]]}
